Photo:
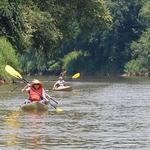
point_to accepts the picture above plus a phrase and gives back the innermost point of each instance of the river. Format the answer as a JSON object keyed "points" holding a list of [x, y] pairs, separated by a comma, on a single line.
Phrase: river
{"points": [[99, 114]]}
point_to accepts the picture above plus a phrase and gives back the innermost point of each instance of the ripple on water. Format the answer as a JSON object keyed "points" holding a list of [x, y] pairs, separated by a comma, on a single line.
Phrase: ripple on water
{"points": [[97, 115]]}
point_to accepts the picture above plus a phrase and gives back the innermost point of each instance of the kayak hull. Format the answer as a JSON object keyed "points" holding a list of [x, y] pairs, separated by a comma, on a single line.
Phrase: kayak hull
{"points": [[63, 88], [34, 106]]}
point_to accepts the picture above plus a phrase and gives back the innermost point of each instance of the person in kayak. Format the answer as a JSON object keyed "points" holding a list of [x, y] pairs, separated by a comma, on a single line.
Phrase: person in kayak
{"points": [[60, 82], [35, 92]]}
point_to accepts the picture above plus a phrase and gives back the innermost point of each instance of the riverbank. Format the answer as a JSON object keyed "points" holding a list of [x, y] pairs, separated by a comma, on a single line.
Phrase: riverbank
{"points": [[147, 74]]}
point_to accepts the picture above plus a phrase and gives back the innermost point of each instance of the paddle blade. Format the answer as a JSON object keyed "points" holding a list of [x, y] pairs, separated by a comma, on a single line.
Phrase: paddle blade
{"points": [[59, 109], [13, 72], [75, 76]]}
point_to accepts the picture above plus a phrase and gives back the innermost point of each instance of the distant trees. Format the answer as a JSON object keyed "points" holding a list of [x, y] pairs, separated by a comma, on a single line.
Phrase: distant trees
{"points": [[11, 24], [101, 35], [43, 32], [140, 63], [115, 43]]}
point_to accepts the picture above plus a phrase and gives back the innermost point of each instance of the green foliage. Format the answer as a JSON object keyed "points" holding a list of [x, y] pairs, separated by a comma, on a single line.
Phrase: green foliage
{"points": [[93, 15], [134, 67], [74, 61], [145, 13], [55, 66], [33, 62], [11, 24], [140, 63], [40, 29], [41, 38], [115, 43], [46, 34], [51, 27], [141, 54], [7, 56]]}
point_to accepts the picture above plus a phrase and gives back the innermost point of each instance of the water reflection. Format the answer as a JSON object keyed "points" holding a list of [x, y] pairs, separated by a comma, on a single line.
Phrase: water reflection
{"points": [[24, 129], [11, 124], [32, 130]]}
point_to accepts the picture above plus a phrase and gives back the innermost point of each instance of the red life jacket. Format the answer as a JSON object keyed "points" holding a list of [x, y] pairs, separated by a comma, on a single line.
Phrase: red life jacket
{"points": [[35, 94]]}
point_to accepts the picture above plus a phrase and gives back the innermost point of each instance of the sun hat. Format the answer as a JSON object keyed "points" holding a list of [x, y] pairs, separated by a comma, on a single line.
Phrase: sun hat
{"points": [[35, 81]]}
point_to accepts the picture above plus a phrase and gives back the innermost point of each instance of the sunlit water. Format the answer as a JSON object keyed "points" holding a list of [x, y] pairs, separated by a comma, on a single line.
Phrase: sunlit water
{"points": [[98, 114]]}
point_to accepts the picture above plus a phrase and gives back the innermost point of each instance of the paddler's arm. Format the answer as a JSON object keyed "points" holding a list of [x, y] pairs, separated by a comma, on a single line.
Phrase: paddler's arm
{"points": [[25, 88], [48, 96], [45, 95], [56, 85]]}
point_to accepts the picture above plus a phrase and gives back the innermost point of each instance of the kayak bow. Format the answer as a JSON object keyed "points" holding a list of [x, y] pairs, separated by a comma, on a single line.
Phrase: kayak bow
{"points": [[63, 88], [34, 106]]}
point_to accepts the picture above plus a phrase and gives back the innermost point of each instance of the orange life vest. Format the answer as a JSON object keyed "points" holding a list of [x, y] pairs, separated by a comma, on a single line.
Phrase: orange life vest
{"points": [[35, 94]]}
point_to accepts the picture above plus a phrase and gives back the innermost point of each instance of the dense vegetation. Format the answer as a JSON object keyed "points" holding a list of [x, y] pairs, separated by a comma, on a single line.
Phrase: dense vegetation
{"points": [[90, 36]]}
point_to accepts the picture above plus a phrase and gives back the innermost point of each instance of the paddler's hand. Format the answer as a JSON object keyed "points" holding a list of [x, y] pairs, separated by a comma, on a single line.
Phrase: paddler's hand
{"points": [[28, 85]]}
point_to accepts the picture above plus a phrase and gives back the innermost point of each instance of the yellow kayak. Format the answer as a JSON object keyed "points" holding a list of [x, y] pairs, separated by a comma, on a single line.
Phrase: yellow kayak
{"points": [[34, 106], [63, 88]]}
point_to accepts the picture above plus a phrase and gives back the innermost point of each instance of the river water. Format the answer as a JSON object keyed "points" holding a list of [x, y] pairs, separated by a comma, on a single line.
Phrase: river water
{"points": [[99, 114]]}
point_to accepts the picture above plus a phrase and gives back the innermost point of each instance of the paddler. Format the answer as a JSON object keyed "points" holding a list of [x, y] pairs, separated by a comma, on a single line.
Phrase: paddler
{"points": [[36, 92], [60, 82]]}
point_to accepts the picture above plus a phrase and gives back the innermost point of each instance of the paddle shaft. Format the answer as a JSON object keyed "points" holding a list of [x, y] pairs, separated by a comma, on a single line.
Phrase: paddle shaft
{"points": [[14, 88], [53, 105]]}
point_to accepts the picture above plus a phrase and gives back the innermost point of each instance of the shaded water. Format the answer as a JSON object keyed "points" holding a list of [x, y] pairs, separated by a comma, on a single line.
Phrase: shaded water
{"points": [[98, 114]]}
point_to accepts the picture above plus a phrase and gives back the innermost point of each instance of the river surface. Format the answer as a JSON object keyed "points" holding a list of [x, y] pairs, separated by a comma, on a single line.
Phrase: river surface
{"points": [[99, 114]]}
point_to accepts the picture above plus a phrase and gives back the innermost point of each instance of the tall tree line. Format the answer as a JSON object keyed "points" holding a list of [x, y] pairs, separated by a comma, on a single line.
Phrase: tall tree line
{"points": [[90, 36]]}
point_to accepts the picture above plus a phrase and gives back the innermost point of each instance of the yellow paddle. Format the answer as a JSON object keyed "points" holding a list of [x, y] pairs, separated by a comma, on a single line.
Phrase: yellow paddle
{"points": [[13, 72], [75, 76], [17, 75], [57, 108]]}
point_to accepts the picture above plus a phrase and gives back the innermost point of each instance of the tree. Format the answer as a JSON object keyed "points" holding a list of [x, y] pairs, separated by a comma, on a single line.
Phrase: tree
{"points": [[115, 43], [141, 47], [57, 27], [41, 37], [141, 55], [11, 22], [144, 14]]}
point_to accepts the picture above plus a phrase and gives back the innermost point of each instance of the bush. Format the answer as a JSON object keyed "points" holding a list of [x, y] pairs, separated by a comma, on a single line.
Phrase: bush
{"points": [[135, 67], [7, 56], [74, 61], [140, 64], [54, 66]]}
